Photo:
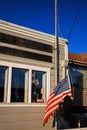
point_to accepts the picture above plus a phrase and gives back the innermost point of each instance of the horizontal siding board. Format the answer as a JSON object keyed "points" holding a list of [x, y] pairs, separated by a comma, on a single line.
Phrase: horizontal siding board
{"points": [[14, 110], [22, 125], [20, 117], [23, 118]]}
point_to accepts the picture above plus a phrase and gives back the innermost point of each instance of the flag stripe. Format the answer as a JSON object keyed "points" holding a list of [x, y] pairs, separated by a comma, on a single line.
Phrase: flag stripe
{"points": [[61, 90], [58, 99], [54, 106]]}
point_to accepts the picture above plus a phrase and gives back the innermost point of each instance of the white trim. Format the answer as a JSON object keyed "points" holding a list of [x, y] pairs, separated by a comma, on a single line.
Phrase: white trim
{"points": [[48, 83], [17, 29], [24, 66], [30, 68], [66, 52], [23, 105], [29, 88], [9, 84], [25, 31], [6, 85]]}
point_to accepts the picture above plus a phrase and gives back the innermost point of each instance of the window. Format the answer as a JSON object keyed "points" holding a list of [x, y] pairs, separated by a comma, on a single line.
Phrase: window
{"points": [[3, 83], [24, 84], [38, 86], [79, 77], [18, 84]]}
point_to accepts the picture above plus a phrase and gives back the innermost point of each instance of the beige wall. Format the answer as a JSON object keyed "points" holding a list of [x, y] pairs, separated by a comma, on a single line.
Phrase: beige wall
{"points": [[30, 117], [85, 79], [23, 118]]}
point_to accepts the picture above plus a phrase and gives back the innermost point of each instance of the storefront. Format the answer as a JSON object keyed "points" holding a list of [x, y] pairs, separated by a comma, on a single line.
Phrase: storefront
{"points": [[27, 75]]}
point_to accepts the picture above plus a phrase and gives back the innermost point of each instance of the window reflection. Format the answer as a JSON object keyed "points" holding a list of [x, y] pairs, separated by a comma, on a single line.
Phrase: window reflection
{"points": [[79, 77], [18, 85], [3, 83], [38, 86], [20, 90]]}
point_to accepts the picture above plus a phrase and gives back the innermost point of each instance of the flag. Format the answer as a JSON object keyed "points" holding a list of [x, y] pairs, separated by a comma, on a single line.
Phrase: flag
{"points": [[56, 96]]}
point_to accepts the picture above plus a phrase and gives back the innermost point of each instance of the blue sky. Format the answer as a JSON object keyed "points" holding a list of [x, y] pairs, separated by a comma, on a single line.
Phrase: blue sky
{"points": [[39, 15]]}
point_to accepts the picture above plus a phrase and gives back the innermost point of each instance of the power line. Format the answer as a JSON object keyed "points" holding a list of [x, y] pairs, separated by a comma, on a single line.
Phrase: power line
{"points": [[59, 30], [73, 24], [34, 10]]}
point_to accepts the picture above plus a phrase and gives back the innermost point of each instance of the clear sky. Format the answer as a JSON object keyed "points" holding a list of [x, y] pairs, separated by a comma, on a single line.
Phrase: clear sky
{"points": [[39, 15]]}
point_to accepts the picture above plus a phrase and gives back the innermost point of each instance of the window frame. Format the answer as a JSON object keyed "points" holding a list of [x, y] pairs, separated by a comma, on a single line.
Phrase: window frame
{"points": [[11, 65]]}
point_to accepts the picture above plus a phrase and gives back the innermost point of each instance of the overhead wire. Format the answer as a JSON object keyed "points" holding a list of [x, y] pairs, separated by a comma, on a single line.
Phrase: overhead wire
{"points": [[59, 27], [59, 30], [34, 10], [73, 24]]}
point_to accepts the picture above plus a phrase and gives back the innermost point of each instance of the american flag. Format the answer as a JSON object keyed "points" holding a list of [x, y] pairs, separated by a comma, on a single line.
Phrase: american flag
{"points": [[56, 96]]}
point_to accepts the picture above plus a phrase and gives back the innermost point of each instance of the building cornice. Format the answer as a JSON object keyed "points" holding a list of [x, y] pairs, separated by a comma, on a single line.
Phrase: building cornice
{"points": [[29, 32], [74, 62]]}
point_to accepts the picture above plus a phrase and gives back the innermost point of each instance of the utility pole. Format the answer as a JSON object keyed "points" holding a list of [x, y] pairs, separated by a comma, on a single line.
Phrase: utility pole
{"points": [[56, 40], [57, 47]]}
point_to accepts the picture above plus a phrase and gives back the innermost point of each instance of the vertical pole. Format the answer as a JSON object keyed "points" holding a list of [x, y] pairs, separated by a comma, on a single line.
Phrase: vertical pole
{"points": [[57, 47], [56, 40]]}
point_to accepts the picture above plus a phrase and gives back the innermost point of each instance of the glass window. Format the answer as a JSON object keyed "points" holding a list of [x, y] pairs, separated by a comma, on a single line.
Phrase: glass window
{"points": [[38, 86], [3, 83], [79, 77], [26, 84], [18, 85]]}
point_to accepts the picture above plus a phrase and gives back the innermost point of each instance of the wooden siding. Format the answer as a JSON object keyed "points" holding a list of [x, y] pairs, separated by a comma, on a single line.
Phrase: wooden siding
{"points": [[23, 118]]}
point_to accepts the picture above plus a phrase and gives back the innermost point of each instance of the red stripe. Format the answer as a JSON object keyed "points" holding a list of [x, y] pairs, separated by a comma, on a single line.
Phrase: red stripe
{"points": [[57, 98], [53, 103]]}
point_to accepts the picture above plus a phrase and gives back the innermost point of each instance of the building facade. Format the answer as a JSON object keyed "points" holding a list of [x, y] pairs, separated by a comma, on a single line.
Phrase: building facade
{"points": [[78, 71], [78, 74], [28, 67]]}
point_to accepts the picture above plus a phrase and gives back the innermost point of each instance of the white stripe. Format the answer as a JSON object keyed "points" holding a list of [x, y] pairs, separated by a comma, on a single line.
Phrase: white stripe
{"points": [[55, 98]]}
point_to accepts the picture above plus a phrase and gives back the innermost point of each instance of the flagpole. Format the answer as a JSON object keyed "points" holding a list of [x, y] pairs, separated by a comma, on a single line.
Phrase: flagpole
{"points": [[56, 40], [57, 48]]}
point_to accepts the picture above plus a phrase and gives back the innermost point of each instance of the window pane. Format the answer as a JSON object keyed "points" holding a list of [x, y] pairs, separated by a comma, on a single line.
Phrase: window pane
{"points": [[79, 77], [18, 85], [38, 86], [3, 83]]}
